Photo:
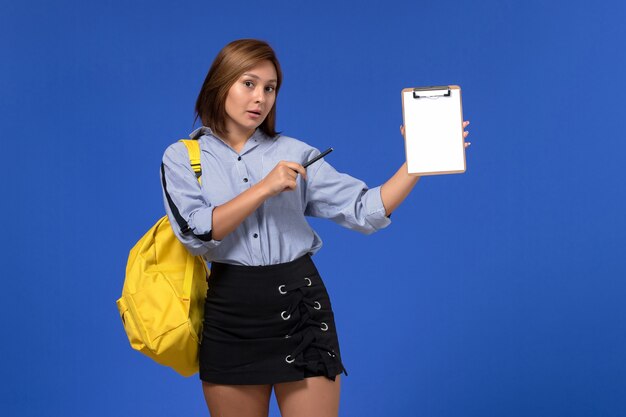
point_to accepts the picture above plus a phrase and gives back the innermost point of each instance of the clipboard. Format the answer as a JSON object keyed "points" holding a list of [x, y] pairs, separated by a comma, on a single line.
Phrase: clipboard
{"points": [[433, 130]]}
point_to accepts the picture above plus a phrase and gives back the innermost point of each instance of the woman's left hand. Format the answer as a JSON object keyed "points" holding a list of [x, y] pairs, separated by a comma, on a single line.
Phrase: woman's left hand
{"points": [[465, 133]]}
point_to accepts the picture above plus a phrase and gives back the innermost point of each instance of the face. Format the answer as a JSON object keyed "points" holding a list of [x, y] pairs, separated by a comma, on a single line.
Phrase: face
{"points": [[250, 99]]}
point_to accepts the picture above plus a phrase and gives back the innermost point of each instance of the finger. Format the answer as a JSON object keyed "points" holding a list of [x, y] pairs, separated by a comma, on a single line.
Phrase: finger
{"points": [[467, 144], [465, 134], [285, 172], [292, 171], [290, 174], [402, 130], [289, 164], [297, 168], [465, 123], [290, 186]]}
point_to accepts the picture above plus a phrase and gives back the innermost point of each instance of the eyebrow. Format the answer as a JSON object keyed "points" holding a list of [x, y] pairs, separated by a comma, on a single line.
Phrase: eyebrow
{"points": [[257, 77]]}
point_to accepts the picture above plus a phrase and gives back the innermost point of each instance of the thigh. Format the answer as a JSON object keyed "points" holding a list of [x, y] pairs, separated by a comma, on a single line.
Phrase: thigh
{"points": [[311, 397], [237, 400]]}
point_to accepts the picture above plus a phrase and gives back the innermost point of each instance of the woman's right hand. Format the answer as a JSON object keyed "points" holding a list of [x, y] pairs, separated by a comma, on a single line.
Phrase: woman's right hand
{"points": [[283, 177]]}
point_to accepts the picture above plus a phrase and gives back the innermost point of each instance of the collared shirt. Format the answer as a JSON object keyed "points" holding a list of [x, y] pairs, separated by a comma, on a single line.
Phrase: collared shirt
{"points": [[277, 231]]}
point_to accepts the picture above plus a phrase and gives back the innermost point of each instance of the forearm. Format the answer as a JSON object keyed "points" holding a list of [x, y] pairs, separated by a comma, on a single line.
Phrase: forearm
{"points": [[228, 216], [397, 188]]}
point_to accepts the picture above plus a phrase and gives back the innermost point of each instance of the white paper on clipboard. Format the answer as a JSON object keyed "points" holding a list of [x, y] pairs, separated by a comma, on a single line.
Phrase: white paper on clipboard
{"points": [[433, 130]]}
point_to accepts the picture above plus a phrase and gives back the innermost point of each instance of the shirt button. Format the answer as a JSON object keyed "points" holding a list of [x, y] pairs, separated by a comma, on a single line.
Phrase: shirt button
{"points": [[239, 159], [255, 235], [245, 180]]}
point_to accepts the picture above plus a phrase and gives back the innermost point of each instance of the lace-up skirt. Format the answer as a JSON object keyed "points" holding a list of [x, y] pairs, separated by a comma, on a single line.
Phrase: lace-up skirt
{"points": [[268, 324]]}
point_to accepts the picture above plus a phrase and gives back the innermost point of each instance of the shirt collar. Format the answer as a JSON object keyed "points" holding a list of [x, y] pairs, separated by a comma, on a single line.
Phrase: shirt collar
{"points": [[204, 130], [201, 131], [257, 137]]}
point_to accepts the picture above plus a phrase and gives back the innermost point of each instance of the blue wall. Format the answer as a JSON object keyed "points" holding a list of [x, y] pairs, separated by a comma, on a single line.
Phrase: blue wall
{"points": [[499, 292]]}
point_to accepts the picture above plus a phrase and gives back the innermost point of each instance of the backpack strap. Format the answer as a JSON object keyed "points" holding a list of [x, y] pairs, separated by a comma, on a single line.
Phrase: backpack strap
{"points": [[193, 148]]}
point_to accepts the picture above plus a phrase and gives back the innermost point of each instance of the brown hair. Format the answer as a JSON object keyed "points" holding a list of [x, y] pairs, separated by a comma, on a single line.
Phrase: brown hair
{"points": [[233, 60]]}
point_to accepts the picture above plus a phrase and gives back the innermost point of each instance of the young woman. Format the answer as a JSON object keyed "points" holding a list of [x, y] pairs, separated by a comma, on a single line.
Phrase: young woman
{"points": [[268, 321]]}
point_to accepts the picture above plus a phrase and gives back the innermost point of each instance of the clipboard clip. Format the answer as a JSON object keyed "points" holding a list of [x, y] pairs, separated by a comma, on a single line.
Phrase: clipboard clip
{"points": [[433, 92]]}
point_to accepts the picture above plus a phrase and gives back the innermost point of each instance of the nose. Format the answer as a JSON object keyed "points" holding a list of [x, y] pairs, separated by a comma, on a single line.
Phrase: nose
{"points": [[259, 97]]}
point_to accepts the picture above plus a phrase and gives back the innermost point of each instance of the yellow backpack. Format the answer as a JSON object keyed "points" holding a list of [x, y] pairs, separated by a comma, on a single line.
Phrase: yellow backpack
{"points": [[162, 301]]}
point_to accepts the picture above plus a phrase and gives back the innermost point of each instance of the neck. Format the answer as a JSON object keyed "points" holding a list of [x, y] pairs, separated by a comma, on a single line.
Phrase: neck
{"points": [[237, 138]]}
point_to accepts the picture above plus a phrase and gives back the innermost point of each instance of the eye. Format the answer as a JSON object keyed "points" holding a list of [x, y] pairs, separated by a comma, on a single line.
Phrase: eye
{"points": [[248, 83], [270, 88]]}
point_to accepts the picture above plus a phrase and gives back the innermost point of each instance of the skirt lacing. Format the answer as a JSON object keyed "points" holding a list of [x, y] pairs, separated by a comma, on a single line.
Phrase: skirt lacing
{"points": [[308, 326]]}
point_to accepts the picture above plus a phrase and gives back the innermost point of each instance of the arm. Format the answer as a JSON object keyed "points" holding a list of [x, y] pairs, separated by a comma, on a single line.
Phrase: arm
{"points": [[344, 199], [230, 215], [204, 218], [186, 194], [398, 187]]}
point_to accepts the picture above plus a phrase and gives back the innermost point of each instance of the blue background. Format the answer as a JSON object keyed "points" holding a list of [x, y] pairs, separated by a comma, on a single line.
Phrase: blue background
{"points": [[499, 292]]}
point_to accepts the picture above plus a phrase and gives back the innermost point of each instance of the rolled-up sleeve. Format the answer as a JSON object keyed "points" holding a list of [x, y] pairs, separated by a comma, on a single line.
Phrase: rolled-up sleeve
{"points": [[186, 194], [344, 199]]}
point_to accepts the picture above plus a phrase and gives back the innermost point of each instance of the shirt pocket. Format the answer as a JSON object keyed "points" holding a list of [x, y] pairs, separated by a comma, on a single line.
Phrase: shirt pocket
{"points": [[290, 200]]}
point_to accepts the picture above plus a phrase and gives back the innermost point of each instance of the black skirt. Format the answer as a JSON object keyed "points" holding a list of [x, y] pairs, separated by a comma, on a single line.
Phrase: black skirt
{"points": [[268, 324]]}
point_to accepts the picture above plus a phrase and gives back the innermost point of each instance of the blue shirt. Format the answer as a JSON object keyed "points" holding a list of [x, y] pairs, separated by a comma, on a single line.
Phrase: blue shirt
{"points": [[277, 231]]}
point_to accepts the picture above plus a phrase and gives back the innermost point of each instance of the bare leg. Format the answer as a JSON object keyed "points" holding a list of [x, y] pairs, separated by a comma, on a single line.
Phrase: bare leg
{"points": [[312, 397], [237, 400]]}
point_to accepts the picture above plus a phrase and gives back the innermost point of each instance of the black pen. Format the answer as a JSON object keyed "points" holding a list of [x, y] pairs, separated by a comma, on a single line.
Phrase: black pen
{"points": [[323, 154]]}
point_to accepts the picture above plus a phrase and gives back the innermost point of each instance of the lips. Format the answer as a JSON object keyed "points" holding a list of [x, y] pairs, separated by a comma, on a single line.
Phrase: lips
{"points": [[254, 114]]}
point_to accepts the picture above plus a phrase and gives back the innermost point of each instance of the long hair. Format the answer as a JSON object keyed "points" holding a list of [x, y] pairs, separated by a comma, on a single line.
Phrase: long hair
{"points": [[230, 63]]}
